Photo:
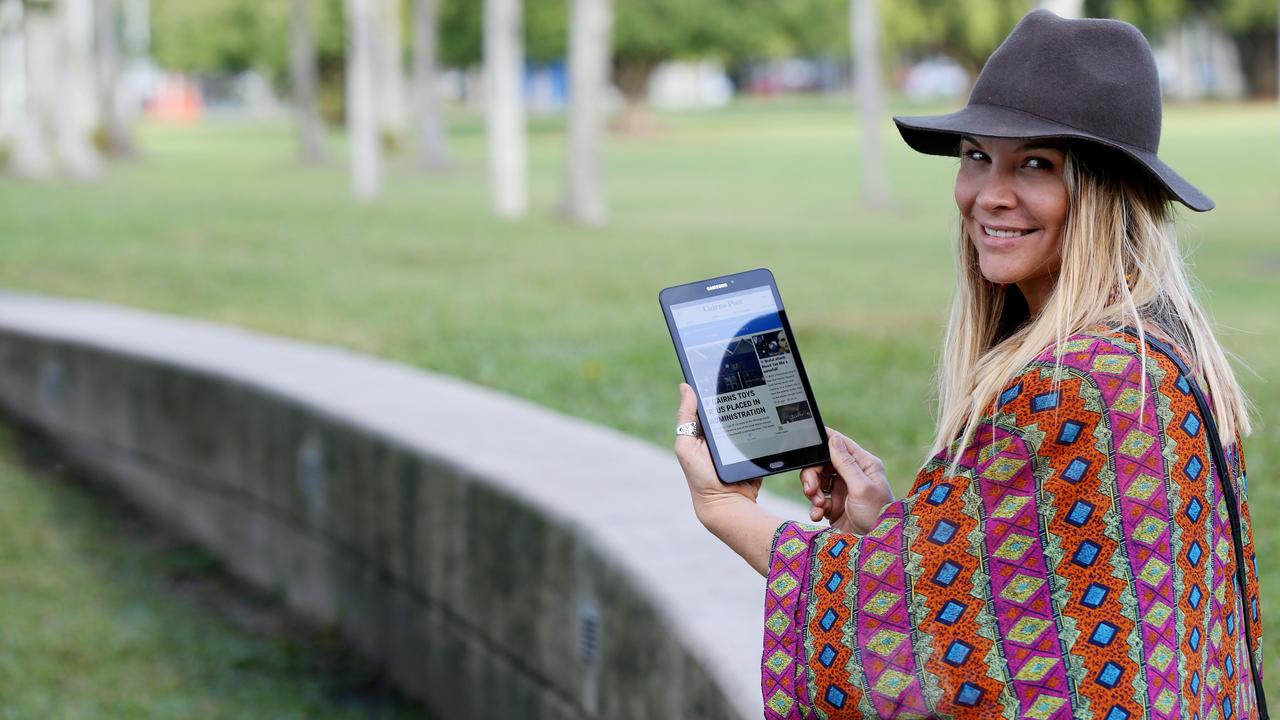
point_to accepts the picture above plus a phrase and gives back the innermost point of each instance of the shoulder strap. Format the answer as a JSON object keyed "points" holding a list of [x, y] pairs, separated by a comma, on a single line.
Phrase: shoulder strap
{"points": [[1233, 510]]}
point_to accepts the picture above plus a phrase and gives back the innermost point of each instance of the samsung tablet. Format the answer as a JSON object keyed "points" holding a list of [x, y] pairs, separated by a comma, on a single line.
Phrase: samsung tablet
{"points": [[755, 405]]}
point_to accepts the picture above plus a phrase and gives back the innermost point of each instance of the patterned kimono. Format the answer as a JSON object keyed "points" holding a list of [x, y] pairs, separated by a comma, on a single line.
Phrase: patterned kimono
{"points": [[1079, 564]]}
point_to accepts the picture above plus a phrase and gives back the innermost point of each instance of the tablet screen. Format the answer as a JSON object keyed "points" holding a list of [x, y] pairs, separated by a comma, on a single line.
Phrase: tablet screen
{"points": [[745, 375]]}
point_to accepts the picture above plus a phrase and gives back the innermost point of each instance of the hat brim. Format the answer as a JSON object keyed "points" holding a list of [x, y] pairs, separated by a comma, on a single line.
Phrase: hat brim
{"points": [[940, 135]]}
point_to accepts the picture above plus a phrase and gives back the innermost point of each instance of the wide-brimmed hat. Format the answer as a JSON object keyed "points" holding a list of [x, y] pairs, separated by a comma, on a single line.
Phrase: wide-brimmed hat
{"points": [[1054, 77]]}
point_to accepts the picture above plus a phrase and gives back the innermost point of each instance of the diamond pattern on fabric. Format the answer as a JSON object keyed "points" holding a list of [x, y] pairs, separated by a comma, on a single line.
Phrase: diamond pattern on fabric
{"points": [[1028, 629], [1112, 364], [1001, 469], [1021, 588], [1010, 506], [1136, 444], [1150, 529], [1045, 706], [1014, 547], [1143, 488]]}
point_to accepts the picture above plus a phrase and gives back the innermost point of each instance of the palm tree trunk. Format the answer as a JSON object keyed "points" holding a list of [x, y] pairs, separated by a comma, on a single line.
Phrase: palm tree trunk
{"points": [[13, 68], [393, 114], [306, 106], [362, 101], [504, 70], [590, 33], [31, 73], [864, 32], [435, 154], [77, 112], [115, 126]]}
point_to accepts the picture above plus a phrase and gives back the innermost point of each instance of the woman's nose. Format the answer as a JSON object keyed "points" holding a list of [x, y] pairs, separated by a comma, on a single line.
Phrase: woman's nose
{"points": [[997, 191]]}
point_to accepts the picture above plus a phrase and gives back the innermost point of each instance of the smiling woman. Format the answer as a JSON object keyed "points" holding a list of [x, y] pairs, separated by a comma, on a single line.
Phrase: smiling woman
{"points": [[1078, 543], [1013, 198]]}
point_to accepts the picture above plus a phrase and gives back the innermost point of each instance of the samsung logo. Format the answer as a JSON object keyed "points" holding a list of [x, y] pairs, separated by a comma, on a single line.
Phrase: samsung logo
{"points": [[717, 287]]}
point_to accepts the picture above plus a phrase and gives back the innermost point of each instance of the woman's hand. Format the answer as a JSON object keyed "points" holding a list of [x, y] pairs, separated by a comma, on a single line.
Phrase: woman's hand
{"points": [[695, 459], [859, 488]]}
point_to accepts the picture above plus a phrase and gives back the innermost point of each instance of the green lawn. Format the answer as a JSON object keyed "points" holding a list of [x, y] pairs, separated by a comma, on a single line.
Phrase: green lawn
{"points": [[103, 617], [218, 221]]}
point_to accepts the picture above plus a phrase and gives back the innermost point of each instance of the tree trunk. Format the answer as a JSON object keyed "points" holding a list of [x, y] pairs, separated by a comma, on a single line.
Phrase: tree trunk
{"points": [[115, 125], [590, 34], [393, 113], [13, 68], [865, 36], [136, 35], [633, 81], [77, 110], [435, 154], [362, 100], [30, 55], [1064, 8], [306, 106], [504, 106]]}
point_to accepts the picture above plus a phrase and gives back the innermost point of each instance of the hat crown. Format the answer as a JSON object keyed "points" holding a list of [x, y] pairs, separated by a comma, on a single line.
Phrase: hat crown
{"points": [[1098, 76]]}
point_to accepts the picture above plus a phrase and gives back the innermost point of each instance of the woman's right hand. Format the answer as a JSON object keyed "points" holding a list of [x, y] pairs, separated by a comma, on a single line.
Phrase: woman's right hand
{"points": [[857, 482]]}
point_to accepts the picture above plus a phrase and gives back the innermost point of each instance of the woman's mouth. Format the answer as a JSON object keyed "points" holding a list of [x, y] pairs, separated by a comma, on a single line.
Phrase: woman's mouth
{"points": [[1004, 232]]}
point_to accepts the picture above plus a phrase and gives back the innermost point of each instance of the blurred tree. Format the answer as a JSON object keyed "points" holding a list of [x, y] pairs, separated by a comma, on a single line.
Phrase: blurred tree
{"points": [[77, 102], [306, 103], [504, 107], [545, 24], [650, 32], [116, 135], [434, 149], [27, 36], [362, 99], [12, 69], [216, 36], [1251, 25], [967, 30], [1255, 27], [389, 76], [590, 31], [864, 33]]}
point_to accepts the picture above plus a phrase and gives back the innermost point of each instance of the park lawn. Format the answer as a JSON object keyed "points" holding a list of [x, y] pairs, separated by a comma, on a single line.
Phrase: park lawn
{"points": [[218, 221], [101, 616]]}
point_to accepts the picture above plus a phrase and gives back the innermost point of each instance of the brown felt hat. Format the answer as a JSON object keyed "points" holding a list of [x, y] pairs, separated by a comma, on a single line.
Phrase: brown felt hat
{"points": [[1053, 77]]}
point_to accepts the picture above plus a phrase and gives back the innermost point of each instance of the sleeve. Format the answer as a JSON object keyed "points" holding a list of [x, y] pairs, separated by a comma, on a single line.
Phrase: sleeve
{"points": [[1017, 587]]}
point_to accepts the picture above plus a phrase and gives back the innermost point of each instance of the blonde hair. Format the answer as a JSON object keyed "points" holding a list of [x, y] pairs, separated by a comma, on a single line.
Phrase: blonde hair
{"points": [[1120, 265]]}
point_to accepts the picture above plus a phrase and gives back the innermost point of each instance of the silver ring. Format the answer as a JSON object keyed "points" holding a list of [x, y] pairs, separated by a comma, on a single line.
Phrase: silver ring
{"points": [[826, 490], [690, 428]]}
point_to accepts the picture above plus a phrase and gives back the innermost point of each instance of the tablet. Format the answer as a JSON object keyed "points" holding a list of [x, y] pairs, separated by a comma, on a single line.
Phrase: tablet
{"points": [[736, 348]]}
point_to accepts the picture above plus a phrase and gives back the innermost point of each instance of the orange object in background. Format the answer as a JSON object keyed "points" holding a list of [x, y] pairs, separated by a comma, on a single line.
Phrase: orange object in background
{"points": [[177, 99]]}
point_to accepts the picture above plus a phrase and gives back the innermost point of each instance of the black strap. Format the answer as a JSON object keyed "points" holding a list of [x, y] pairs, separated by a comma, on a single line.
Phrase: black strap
{"points": [[1233, 510]]}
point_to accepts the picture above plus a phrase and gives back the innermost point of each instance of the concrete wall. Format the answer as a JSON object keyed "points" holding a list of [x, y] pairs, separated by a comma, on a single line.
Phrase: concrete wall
{"points": [[501, 560]]}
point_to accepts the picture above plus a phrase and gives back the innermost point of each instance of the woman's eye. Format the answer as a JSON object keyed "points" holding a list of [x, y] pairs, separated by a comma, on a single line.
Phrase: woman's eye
{"points": [[972, 154], [1038, 163]]}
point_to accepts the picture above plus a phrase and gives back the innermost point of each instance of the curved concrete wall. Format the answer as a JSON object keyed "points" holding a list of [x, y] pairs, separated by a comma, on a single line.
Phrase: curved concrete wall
{"points": [[500, 560]]}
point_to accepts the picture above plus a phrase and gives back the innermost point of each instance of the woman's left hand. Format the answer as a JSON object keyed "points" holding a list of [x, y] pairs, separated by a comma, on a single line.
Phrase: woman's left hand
{"points": [[695, 459]]}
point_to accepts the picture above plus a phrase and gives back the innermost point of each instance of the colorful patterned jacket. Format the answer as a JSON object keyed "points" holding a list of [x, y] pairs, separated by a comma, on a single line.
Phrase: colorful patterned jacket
{"points": [[1080, 564]]}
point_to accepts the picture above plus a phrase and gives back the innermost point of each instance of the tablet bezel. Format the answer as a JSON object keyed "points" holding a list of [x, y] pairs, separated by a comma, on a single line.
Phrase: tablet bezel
{"points": [[738, 282]]}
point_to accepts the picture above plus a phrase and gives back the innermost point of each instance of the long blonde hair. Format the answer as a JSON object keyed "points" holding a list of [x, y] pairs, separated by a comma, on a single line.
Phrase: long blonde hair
{"points": [[1120, 265]]}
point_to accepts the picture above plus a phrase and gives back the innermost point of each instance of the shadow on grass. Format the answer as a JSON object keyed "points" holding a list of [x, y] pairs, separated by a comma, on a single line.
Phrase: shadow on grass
{"points": [[105, 614]]}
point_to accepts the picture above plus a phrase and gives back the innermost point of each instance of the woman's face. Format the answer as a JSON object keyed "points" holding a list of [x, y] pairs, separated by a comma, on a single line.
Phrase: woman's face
{"points": [[1013, 200]]}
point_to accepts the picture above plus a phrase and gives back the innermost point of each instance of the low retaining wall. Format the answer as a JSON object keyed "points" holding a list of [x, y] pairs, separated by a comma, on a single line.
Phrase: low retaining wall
{"points": [[499, 559]]}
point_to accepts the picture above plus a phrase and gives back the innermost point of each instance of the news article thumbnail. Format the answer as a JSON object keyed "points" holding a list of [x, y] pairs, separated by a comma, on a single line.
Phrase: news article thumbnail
{"points": [[739, 368], [792, 412], [759, 400]]}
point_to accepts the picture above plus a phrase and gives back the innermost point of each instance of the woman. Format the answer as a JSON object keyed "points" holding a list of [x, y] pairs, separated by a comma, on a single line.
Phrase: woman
{"points": [[1068, 548]]}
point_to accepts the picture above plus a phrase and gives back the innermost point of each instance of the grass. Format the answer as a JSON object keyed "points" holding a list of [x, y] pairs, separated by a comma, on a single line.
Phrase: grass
{"points": [[104, 617], [219, 222]]}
